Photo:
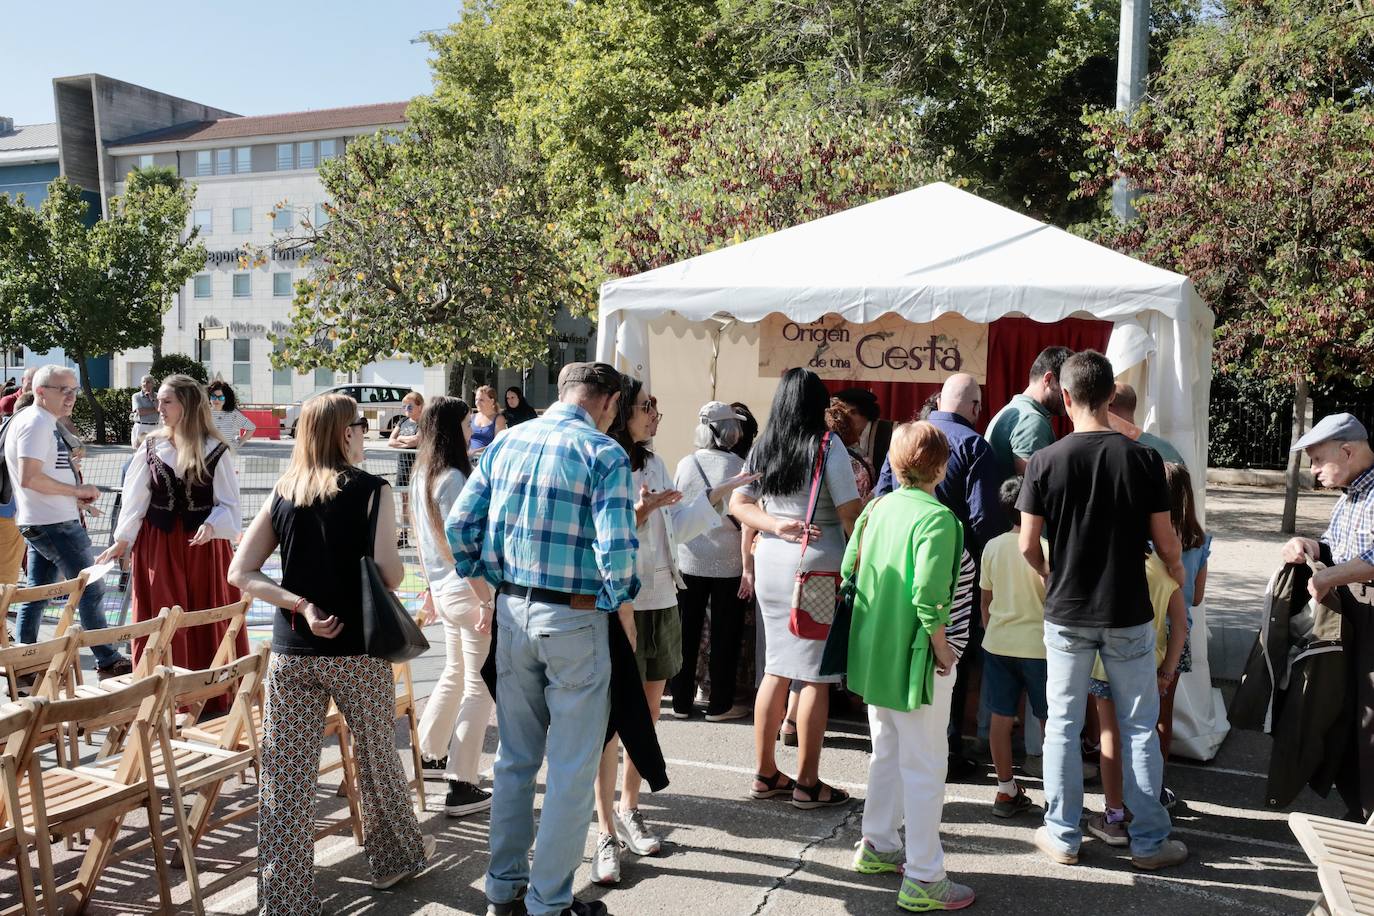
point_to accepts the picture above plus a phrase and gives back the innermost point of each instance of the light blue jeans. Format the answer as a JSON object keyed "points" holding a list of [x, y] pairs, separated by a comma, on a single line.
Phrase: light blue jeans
{"points": [[1128, 655], [553, 675]]}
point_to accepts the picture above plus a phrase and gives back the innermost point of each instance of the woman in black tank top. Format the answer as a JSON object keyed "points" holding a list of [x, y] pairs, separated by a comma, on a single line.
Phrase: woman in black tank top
{"points": [[318, 517]]}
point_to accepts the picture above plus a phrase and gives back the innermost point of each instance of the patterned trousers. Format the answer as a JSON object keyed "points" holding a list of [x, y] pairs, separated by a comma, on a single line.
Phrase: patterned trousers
{"points": [[299, 688]]}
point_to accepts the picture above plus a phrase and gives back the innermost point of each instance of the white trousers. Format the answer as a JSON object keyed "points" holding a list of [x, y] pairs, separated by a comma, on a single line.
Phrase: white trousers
{"points": [[455, 719], [906, 782]]}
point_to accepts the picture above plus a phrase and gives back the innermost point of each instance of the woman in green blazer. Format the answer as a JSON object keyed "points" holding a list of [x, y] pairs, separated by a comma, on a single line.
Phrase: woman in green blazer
{"points": [[907, 548]]}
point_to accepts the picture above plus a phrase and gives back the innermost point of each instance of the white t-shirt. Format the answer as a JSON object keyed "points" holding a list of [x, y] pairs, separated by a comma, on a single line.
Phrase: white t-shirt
{"points": [[657, 590], [33, 434], [440, 571]]}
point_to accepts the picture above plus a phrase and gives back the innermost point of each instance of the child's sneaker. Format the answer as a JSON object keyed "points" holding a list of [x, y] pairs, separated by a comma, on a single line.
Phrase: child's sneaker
{"points": [[1011, 805], [1111, 832], [1167, 798], [923, 897], [869, 861]]}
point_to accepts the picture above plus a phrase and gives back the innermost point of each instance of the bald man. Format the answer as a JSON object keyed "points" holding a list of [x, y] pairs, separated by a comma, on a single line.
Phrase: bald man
{"points": [[1123, 405]]}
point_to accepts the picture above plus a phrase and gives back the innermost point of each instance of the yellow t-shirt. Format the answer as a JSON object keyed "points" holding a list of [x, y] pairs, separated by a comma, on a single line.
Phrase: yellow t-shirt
{"points": [[1016, 618], [1162, 587]]}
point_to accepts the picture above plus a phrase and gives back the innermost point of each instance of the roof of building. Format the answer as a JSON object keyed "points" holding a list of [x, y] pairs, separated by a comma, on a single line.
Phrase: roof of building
{"points": [[29, 137], [296, 122]]}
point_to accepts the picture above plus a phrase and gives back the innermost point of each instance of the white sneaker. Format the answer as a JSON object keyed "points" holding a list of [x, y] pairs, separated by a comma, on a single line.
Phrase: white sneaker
{"points": [[629, 826], [606, 861]]}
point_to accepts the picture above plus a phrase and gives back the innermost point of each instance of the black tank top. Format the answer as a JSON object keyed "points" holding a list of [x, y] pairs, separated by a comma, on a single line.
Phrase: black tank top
{"points": [[320, 548]]}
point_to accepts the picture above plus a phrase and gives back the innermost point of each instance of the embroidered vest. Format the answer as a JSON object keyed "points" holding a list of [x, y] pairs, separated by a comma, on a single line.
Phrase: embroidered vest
{"points": [[173, 499]]}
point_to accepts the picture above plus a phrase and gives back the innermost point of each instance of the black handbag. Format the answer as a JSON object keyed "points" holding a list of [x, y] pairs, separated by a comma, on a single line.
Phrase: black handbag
{"points": [[389, 632], [835, 654]]}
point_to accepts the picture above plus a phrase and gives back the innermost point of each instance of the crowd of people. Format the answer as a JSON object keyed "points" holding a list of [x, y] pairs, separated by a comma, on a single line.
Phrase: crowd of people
{"points": [[967, 582]]}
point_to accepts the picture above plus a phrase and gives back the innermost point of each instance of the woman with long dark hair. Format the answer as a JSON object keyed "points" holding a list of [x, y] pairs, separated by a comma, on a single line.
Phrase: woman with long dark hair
{"points": [[793, 446], [518, 410], [455, 719]]}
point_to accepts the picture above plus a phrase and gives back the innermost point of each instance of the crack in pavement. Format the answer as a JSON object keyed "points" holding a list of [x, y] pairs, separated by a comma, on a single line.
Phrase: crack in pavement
{"points": [[854, 812]]}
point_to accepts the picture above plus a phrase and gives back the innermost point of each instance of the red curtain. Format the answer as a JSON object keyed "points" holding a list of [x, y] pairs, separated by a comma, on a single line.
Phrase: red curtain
{"points": [[1013, 344]]}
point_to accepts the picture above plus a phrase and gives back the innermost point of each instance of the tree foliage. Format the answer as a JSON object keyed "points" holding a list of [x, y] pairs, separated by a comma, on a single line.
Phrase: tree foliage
{"points": [[95, 289], [1253, 158], [178, 363]]}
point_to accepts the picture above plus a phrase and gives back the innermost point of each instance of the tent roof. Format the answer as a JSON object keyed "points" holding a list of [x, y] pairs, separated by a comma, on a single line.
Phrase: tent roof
{"points": [[921, 253]]}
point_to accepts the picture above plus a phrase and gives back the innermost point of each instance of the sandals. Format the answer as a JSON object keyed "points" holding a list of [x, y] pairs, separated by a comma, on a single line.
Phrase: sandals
{"points": [[788, 739], [813, 798], [777, 784]]}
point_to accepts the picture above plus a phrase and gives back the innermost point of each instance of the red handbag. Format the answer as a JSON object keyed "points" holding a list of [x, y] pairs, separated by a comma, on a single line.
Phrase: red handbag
{"points": [[814, 594]]}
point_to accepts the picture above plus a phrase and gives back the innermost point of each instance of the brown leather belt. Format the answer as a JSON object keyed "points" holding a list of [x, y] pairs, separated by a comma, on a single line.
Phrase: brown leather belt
{"points": [[549, 596]]}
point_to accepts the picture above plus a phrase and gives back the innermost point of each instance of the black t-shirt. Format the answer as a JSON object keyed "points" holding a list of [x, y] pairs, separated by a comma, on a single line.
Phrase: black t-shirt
{"points": [[321, 545], [1096, 492]]}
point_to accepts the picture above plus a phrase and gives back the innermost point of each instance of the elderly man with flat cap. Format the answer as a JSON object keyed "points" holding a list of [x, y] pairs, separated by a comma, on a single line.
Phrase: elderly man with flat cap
{"points": [[1338, 448]]}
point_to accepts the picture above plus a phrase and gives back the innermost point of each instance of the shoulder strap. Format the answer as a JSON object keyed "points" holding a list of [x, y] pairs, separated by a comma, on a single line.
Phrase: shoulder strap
{"points": [[859, 534], [373, 514], [821, 454], [707, 481]]}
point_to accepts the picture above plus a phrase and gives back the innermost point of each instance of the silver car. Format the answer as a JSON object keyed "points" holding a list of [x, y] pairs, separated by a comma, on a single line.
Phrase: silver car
{"points": [[380, 404]]}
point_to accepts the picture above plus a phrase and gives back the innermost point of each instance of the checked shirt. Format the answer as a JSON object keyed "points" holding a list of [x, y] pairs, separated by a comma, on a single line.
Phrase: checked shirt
{"points": [[550, 505], [1351, 533]]}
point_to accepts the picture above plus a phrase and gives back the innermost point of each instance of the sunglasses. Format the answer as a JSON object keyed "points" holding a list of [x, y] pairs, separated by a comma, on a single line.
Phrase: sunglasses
{"points": [[360, 423], [216, 397]]}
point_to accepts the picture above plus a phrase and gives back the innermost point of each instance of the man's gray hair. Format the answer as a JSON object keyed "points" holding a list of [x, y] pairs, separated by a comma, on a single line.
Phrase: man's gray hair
{"points": [[45, 374], [722, 434], [146, 379]]}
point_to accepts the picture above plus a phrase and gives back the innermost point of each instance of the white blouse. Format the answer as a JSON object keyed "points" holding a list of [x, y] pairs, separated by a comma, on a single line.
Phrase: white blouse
{"points": [[224, 517]]}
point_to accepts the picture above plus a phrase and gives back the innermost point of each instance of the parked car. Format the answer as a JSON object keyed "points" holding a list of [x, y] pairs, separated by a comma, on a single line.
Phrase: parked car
{"points": [[381, 405]]}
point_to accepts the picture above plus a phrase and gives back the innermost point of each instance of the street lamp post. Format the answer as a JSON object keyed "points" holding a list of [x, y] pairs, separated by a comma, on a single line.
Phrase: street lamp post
{"points": [[1133, 57]]}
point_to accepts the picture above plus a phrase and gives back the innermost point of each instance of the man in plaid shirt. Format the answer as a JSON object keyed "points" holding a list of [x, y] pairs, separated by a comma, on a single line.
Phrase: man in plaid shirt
{"points": [[548, 520], [1338, 448]]}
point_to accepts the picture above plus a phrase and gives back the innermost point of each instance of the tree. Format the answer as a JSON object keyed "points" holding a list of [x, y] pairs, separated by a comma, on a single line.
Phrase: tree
{"points": [[436, 247], [178, 363], [95, 289], [1252, 156], [711, 177]]}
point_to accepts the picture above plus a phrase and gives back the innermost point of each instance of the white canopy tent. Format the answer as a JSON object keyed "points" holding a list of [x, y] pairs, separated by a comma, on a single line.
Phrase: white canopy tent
{"points": [[922, 254]]}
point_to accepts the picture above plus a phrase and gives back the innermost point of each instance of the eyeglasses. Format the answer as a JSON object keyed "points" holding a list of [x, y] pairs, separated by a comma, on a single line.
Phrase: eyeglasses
{"points": [[68, 391], [216, 397], [360, 423], [651, 406]]}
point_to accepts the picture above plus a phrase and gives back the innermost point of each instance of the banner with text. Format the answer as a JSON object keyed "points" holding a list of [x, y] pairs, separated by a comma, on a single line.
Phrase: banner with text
{"points": [[890, 349]]}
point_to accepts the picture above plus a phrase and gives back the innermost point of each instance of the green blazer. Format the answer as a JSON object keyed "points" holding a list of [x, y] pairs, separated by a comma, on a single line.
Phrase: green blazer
{"points": [[912, 547]]}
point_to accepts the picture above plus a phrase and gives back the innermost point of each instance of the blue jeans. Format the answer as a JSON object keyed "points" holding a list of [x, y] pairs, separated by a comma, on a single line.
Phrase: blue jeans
{"points": [[1128, 655], [553, 675], [61, 551]]}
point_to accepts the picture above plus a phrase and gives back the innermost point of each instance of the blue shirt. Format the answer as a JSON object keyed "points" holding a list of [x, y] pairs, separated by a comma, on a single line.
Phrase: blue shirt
{"points": [[971, 481], [1351, 533], [550, 505]]}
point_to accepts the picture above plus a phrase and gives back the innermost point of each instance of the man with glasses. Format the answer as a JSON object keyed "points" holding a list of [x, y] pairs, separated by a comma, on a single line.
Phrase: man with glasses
{"points": [[39, 461], [405, 435], [143, 404]]}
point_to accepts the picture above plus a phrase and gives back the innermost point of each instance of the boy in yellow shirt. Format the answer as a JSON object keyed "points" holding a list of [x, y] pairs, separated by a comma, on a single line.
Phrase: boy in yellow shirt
{"points": [[1013, 647]]}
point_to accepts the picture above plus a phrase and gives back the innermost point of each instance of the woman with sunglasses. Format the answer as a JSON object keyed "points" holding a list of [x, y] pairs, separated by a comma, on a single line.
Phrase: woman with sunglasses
{"points": [[233, 426]]}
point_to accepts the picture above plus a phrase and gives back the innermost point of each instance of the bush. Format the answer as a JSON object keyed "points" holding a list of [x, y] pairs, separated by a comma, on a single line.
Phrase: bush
{"points": [[172, 363], [118, 422], [1251, 423]]}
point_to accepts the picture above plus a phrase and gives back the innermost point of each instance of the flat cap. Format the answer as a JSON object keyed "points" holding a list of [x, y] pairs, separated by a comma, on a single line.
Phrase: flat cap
{"points": [[1341, 427]]}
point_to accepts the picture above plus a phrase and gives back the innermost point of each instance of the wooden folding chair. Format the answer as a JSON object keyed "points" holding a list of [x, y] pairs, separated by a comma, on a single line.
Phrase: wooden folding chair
{"points": [[188, 767], [16, 597], [405, 709], [49, 662], [16, 722], [63, 801], [1344, 855], [235, 614], [335, 727]]}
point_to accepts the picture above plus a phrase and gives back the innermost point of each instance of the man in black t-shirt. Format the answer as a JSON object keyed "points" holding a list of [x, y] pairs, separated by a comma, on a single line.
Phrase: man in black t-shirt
{"points": [[1099, 499]]}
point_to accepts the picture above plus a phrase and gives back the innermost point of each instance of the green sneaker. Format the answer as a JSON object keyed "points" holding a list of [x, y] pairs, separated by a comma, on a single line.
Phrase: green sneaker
{"points": [[869, 861], [923, 897]]}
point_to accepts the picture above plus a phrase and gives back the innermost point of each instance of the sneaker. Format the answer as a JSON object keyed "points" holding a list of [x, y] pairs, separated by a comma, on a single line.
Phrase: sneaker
{"points": [[1172, 852], [465, 798], [734, 712], [1005, 805], [1167, 798], [606, 861], [1045, 843], [585, 908], [392, 880], [1113, 833], [116, 668], [629, 827], [922, 897], [689, 714], [433, 769], [869, 861], [515, 907]]}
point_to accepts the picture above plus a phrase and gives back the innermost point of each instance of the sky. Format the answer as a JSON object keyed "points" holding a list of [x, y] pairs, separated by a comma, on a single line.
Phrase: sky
{"points": [[250, 57]]}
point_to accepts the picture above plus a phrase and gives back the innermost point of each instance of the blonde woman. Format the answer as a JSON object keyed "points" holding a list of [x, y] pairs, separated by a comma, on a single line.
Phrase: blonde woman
{"points": [[319, 515], [485, 422], [180, 513]]}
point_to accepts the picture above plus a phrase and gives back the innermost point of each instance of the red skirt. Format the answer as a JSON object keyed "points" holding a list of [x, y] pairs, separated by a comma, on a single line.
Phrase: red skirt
{"points": [[165, 571]]}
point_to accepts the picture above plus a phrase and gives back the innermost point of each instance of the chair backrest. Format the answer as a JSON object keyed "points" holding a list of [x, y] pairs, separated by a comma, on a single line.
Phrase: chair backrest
{"points": [[405, 681], [139, 704], [236, 614], [157, 630], [241, 678], [72, 589], [16, 723], [50, 660]]}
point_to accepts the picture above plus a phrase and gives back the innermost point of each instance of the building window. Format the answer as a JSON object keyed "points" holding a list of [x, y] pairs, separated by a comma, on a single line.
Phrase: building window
{"points": [[201, 287], [281, 284], [328, 149], [243, 378], [241, 350], [286, 156], [145, 161], [243, 286], [204, 163], [324, 378], [202, 220], [283, 386], [243, 219], [223, 161], [243, 159], [305, 155], [281, 219], [321, 215]]}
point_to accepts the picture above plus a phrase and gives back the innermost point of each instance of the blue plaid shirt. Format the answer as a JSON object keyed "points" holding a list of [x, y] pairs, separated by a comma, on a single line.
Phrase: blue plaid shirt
{"points": [[550, 505], [1351, 532]]}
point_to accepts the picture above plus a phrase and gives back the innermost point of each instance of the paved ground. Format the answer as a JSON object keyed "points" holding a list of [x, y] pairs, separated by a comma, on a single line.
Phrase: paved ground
{"points": [[727, 855]]}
